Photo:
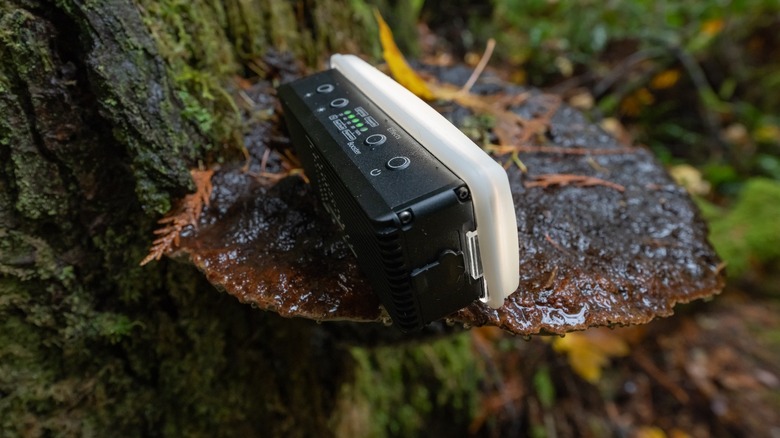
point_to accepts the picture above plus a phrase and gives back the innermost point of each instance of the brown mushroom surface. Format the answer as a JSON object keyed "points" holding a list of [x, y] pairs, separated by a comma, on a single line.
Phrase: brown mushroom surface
{"points": [[606, 237]]}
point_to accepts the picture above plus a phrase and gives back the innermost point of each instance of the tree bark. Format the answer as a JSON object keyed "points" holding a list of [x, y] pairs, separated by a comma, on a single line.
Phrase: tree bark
{"points": [[104, 108]]}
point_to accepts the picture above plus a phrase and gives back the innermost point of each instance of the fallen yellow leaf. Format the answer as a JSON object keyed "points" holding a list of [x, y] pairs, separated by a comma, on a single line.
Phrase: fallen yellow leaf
{"points": [[589, 351], [767, 133], [512, 129], [690, 178], [633, 104], [713, 26], [678, 433], [582, 101], [397, 63], [649, 432], [665, 79]]}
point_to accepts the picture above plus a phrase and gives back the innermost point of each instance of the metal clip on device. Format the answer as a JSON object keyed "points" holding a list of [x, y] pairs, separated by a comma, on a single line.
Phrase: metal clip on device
{"points": [[427, 213]]}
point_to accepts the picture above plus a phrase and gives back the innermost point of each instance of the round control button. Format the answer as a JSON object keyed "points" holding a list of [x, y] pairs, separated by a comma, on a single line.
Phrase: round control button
{"points": [[375, 140], [398, 163], [325, 88], [339, 103]]}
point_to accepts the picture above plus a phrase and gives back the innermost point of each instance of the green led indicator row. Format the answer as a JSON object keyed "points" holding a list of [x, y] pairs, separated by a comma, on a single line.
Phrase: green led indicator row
{"points": [[353, 119]]}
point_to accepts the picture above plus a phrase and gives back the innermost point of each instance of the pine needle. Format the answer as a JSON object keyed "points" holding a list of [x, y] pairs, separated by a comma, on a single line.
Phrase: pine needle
{"points": [[564, 179], [185, 213]]}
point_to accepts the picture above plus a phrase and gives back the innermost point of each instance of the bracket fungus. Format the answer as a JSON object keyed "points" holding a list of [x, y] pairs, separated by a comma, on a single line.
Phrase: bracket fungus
{"points": [[606, 236]]}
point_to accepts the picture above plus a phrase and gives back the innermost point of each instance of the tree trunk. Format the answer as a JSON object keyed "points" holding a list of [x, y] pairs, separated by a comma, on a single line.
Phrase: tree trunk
{"points": [[104, 108]]}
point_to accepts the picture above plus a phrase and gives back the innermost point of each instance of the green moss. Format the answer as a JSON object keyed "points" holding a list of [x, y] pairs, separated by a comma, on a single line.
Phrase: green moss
{"points": [[749, 233], [478, 127], [27, 257], [404, 390], [17, 34], [21, 371], [38, 183], [192, 38], [212, 109], [155, 200], [282, 30], [40, 188], [47, 322], [191, 33], [247, 28], [185, 361], [205, 43]]}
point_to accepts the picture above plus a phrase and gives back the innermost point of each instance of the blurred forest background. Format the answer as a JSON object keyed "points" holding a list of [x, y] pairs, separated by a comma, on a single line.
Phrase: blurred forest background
{"points": [[699, 84], [156, 351]]}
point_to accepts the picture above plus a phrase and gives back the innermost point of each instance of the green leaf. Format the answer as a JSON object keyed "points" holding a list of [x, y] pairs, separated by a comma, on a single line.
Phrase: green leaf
{"points": [[750, 233], [544, 387]]}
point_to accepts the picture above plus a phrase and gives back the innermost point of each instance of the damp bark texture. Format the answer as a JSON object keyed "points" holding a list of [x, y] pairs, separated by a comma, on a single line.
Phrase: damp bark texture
{"points": [[104, 108]]}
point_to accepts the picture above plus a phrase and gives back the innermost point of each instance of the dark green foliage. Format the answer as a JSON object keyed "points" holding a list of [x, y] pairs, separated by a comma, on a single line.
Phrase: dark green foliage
{"points": [[719, 110], [749, 233]]}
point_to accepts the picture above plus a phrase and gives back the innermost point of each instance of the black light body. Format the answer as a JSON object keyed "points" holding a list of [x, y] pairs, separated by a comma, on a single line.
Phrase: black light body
{"points": [[405, 216]]}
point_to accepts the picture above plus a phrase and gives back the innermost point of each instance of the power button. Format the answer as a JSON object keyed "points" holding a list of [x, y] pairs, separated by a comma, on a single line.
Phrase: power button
{"points": [[398, 163]]}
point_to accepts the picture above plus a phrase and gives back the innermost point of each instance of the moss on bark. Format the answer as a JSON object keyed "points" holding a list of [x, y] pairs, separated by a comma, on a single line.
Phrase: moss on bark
{"points": [[405, 390]]}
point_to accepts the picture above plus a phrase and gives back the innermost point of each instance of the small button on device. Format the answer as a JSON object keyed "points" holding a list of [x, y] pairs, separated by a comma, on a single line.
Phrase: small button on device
{"points": [[339, 103], [325, 88], [375, 140], [398, 163]]}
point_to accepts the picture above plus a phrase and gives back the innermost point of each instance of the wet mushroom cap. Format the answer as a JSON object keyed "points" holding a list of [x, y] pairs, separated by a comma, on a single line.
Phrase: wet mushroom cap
{"points": [[606, 236]]}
